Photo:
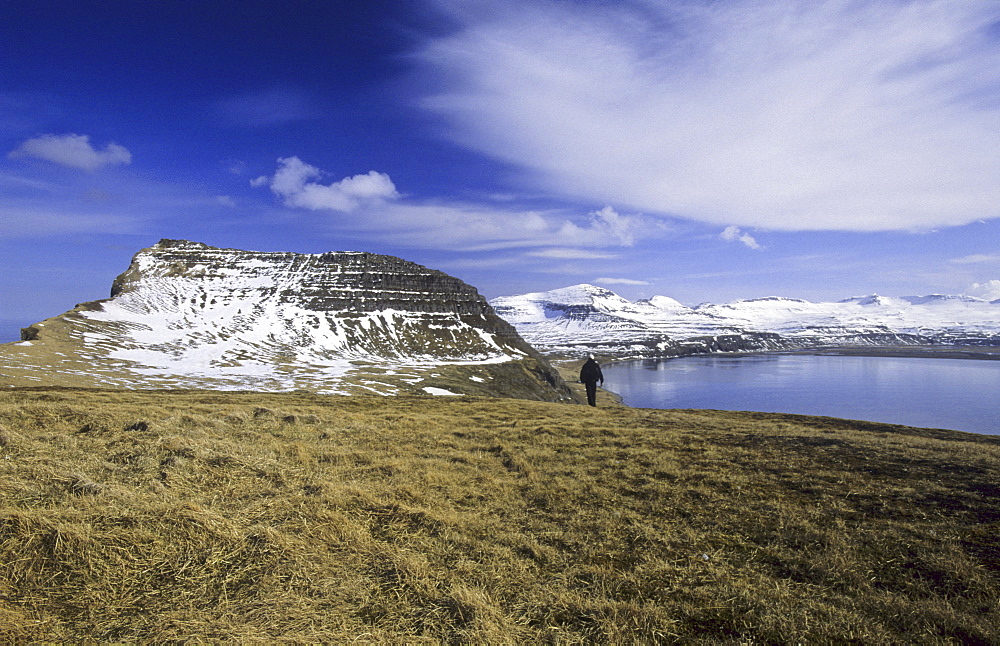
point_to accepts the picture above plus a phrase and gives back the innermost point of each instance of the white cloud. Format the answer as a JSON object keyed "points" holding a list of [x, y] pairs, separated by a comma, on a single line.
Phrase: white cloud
{"points": [[563, 253], [612, 227], [73, 151], [797, 115], [620, 281], [291, 183], [990, 290], [976, 259], [384, 213], [474, 227], [621, 227], [734, 234]]}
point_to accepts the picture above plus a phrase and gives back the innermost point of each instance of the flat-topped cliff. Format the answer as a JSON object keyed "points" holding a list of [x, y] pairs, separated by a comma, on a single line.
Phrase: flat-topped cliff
{"points": [[185, 314]]}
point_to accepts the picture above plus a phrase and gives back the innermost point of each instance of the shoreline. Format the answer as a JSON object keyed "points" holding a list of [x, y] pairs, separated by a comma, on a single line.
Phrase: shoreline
{"points": [[911, 352], [980, 353], [569, 366]]}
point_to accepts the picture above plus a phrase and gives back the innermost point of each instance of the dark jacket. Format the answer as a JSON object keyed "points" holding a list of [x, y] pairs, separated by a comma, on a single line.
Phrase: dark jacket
{"points": [[591, 372]]}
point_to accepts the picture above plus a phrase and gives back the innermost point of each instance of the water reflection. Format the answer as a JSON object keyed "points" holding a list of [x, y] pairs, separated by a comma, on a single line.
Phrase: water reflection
{"points": [[945, 393]]}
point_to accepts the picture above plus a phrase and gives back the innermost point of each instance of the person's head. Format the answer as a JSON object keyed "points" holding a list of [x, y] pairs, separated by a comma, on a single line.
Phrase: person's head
{"points": [[591, 357]]}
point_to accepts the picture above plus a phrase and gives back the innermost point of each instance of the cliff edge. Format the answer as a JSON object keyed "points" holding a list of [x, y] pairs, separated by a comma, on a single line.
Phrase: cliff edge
{"points": [[188, 315]]}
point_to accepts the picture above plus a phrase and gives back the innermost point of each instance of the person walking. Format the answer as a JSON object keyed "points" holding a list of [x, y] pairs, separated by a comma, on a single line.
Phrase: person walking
{"points": [[590, 374]]}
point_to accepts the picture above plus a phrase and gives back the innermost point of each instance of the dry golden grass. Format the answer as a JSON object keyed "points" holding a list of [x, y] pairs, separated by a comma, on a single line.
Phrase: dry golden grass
{"points": [[154, 516]]}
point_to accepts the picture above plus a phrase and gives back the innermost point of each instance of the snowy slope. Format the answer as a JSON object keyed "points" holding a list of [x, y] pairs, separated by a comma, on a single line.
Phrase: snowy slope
{"points": [[585, 317], [186, 314]]}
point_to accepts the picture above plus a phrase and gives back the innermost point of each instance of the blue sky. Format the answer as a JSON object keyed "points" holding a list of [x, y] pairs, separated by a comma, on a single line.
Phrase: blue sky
{"points": [[704, 150]]}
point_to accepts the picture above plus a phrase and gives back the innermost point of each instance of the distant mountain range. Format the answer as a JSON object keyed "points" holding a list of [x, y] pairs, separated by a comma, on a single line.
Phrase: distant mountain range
{"points": [[585, 318], [187, 315]]}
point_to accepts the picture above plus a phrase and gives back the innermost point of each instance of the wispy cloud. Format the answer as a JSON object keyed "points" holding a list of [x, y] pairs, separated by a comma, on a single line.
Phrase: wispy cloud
{"points": [[378, 209], [620, 281], [735, 234], [475, 227], [73, 151], [26, 222], [47, 203], [976, 259], [562, 253], [799, 115]]}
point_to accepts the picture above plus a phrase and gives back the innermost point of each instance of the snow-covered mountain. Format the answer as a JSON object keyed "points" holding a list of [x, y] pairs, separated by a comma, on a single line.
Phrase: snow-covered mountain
{"points": [[586, 318], [188, 315]]}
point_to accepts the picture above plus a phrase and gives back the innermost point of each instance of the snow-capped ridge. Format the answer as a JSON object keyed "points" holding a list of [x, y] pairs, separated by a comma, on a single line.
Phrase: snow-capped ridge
{"points": [[934, 299], [876, 300], [769, 299], [664, 303], [582, 294], [576, 320]]}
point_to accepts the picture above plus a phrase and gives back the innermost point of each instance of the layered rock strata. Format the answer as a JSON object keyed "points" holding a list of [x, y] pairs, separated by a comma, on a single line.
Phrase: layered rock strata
{"points": [[185, 314]]}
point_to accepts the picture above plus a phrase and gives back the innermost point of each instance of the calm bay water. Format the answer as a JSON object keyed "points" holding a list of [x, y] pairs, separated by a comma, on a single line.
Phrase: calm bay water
{"points": [[959, 394]]}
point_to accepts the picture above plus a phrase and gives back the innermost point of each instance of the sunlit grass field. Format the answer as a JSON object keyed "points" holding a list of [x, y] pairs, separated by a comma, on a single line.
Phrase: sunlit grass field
{"points": [[173, 515]]}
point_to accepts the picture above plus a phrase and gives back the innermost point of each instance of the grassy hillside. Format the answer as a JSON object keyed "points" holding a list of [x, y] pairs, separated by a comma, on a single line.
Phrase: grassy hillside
{"points": [[149, 516], [63, 353]]}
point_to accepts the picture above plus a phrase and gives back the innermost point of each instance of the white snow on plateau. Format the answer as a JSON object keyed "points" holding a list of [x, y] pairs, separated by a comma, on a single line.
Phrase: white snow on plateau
{"points": [[189, 315], [201, 326], [585, 317]]}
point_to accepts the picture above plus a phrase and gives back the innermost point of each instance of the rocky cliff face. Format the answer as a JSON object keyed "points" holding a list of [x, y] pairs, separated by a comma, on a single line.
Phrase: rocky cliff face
{"points": [[188, 315], [330, 282]]}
